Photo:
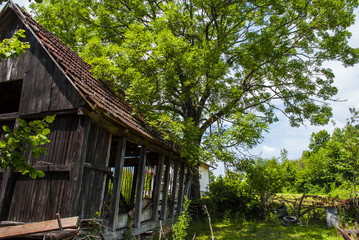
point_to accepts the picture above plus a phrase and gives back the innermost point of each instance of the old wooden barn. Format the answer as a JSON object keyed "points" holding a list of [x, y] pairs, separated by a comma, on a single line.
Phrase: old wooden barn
{"points": [[101, 157]]}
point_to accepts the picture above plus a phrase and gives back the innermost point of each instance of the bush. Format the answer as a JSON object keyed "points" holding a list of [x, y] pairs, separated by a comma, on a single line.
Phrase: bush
{"points": [[231, 196], [179, 229]]}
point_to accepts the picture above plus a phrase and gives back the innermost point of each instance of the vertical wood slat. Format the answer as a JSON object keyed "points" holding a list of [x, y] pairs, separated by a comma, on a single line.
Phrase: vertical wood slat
{"points": [[140, 187], [181, 189], [76, 174], [174, 190], [157, 190], [188, 185], [116, 191], [133, 190], [6, 184], [165, 190], [105, 175]]}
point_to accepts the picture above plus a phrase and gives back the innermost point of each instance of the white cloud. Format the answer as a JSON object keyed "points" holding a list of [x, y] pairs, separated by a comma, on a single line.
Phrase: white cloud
{"points": [[268, 150]]}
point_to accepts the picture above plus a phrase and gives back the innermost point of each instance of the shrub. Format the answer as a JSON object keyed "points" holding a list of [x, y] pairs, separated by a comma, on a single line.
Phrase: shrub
{"points": [[231, 196]]}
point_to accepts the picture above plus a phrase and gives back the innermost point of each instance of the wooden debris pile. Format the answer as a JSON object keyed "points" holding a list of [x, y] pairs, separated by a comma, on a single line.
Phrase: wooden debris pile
{"points": [[348, 234], [52, 229]]}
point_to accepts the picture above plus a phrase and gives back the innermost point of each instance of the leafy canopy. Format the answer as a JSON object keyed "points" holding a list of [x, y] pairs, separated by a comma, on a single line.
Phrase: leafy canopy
{"points": [[211, 74]]}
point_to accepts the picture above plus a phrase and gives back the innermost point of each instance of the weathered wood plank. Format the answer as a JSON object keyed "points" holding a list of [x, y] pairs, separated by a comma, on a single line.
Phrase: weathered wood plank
{"points": [[60, 168], [165, 190], [181, 189], [30, 228], [9, 116], [77, 173], [188, 184], [98, 168], [174, 190], [6, 192], [157, 187], [140, 187], [116, 191]]}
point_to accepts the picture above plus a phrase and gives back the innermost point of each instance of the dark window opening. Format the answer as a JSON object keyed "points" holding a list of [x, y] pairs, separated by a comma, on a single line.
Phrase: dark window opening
{"points": [[10, 94]]}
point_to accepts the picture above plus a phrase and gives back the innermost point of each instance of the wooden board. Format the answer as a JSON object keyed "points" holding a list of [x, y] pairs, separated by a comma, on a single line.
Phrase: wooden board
{"points": [[30, 228]]}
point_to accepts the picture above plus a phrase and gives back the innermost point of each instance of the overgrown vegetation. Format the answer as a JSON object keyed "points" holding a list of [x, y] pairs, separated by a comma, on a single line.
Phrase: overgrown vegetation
{"points": [[179, 229], [254, 230], [25, 137]]}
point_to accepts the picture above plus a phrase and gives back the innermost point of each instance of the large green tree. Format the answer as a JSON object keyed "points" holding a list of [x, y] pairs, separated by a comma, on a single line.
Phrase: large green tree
{"points": [[211, 74]]}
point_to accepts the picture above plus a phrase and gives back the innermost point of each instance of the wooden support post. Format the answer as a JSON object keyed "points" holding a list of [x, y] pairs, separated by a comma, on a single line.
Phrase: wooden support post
{"points": [[6, 191], [174, 190], [134, 184], [188, 184], [140, 187], [58, 218], [116, 191], [157, 189], [181, 189], [165, 190]]}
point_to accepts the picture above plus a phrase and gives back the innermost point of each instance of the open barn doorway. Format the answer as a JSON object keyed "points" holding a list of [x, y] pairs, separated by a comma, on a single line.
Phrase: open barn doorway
{"points": [[130, 182]]}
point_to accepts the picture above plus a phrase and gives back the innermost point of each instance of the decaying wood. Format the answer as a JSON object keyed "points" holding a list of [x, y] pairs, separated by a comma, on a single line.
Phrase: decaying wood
{"points": [[165, 190], [53, 235], [348, 234], [174, 190], [157, 187], [116, 191], [181, 189], [15, 231], [140, 187]]}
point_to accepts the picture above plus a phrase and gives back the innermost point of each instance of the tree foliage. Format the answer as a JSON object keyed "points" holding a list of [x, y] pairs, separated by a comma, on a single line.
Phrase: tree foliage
{"points": [[330, 164], [26, 137], [211, 72], [13, 47]]}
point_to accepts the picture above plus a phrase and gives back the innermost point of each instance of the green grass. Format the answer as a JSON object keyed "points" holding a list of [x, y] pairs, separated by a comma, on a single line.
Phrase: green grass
{"points": [[260, 230]]}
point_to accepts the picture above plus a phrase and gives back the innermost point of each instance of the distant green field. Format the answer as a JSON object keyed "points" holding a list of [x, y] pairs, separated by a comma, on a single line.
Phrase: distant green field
{"points": [[261, 231]]}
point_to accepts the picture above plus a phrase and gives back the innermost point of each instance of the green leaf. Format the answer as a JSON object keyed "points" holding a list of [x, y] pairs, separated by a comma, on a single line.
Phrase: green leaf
{"points": [[33, 173], [6, 128], [50, 119], [40, 174], [2, 144], [45, 131]]}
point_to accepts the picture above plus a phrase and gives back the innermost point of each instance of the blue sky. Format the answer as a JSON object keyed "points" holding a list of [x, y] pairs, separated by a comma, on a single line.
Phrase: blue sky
{"points": [[296, 140]]}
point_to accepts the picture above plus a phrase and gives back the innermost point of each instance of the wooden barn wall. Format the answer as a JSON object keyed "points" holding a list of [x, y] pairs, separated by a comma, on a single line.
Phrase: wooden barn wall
{"points": [[10, 124], [40, 199], [45, 88], [94, 175]]}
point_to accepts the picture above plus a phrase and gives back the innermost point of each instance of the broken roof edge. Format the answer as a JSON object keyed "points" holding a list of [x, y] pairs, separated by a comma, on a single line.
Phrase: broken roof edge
{"points": [[123, 113]]}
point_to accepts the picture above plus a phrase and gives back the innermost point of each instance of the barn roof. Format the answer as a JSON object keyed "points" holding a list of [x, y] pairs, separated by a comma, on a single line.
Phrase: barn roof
{"points": [[96, 93]]}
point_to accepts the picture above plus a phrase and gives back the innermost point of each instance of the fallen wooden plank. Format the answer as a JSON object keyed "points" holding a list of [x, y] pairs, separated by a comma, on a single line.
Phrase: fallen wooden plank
{"points": [[30, 228], [53, 235]]}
